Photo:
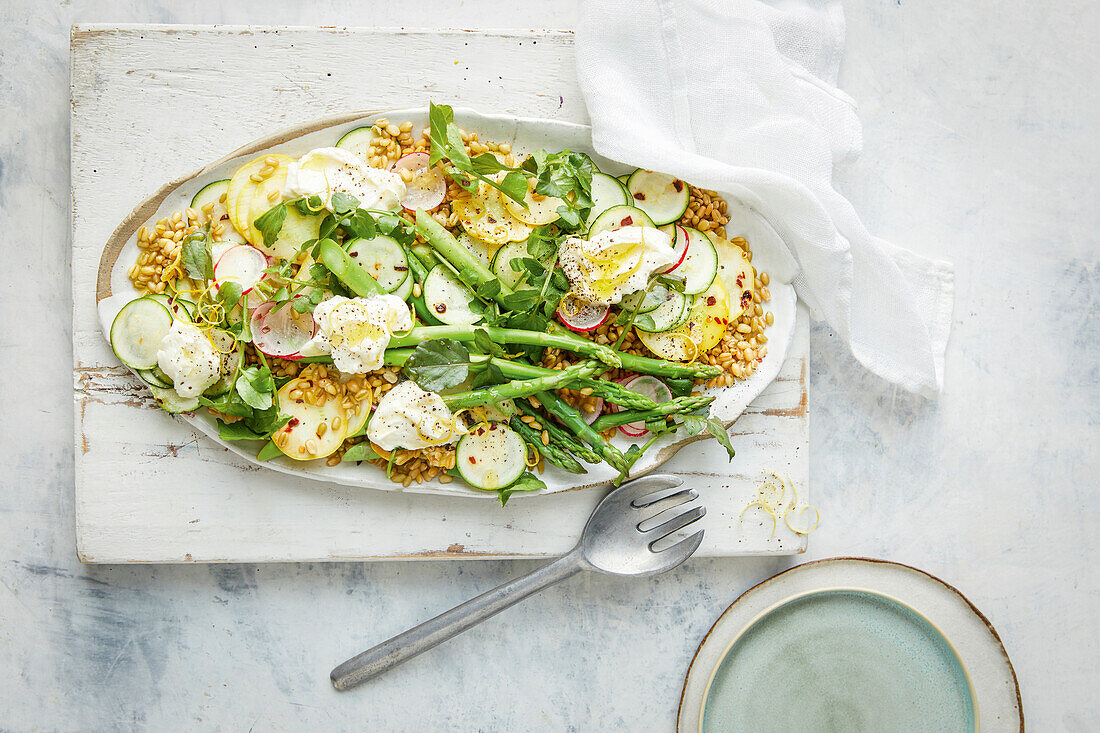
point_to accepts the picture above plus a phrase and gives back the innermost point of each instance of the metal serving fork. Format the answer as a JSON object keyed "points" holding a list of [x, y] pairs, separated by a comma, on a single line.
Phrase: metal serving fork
{"points": [[619, 539]]}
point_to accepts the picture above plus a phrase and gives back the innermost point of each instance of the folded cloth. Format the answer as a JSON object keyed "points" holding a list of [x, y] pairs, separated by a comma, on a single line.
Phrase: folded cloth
{"points": [[739, 96]]}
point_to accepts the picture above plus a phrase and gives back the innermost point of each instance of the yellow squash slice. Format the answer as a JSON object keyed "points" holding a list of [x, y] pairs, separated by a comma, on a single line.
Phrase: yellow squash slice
{"points": [[736, 274], [247, 199], [707, 321], [294, 438], [544, 210], [485, 217]]}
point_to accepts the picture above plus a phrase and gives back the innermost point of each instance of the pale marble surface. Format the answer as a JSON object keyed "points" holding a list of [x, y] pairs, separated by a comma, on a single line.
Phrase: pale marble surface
{"points": [[980, 146]]}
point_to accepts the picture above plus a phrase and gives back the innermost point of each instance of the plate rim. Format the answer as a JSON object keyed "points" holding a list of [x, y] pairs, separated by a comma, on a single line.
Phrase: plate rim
{"points": [[683, 709], [141, 213]]}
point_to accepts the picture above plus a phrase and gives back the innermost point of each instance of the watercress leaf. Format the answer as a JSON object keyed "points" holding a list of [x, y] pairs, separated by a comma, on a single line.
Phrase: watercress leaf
{"points": [[237, 431], [229, 294], [328, 226], [256, 387], [439, 364], [514, 186], [526, 482], [488, 289], [303, 305], [196, 258], [486, 164], [269, 451], [316, 296], [485, 344], [270, 223], [680, 387], [456, 149], [569, 216], [718, 430], [694, 424], [489, 375], [440, 117], [343, 203], [360, 452]]}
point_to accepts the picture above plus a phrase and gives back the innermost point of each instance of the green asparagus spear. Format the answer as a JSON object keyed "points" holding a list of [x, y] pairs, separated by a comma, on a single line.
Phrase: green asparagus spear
{"points": [[591, 349], [347, 270], [676, 406], [470, 269], [553, 453], [572, 419], [557, 379], [558, 435], [613, 392]]}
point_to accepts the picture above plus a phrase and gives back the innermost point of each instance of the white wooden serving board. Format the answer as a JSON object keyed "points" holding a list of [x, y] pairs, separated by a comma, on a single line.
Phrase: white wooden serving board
{"points": [[152, 103]]}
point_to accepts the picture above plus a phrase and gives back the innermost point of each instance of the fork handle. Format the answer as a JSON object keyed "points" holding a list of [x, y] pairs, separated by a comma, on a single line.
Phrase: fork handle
{"points": [[419, 639]]}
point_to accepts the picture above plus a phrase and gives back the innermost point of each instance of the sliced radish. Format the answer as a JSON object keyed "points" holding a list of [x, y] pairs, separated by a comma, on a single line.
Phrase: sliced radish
{"points": [[652, 388], [243, 264], [680, 246], [582, 315], [427, 188], [281, 333]]}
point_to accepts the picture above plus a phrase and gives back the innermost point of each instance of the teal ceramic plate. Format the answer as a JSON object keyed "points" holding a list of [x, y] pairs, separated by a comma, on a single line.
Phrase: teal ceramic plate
{"points": [[851, 644], [844, 661]]}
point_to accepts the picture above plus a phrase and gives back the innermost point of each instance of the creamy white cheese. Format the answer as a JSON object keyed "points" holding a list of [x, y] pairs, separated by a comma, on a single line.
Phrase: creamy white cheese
{"points": [[614, 263], [356, 331], [409, 417], [189, 359], [324, 171]]}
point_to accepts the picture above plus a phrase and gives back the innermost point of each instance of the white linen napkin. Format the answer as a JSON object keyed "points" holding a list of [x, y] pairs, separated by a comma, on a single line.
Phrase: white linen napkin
{"points": [[738, 96]]}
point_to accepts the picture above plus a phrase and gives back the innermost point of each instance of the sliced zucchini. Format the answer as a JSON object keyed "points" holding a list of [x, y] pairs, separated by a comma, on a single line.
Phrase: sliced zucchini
{"points": [[405, 289], [491, 456], [626, 176], [484, 251], [297, 230], [706, 321], [216, 194], [384, 258], [663, 197], [448, 297], [155, 378], [502, 262], [607, 191], [137, 331], [700, 265], [303, 438], [619, 217], [667, 316], [172, 402], [178, 307], [358, 141], [651, 300]]}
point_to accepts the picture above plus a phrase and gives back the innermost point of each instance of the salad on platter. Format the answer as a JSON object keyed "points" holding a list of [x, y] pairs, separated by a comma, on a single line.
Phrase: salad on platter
{"points": [[433, 305]]}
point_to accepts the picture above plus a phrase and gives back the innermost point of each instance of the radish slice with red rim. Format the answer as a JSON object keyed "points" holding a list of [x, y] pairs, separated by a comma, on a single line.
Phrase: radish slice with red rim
{"points": [[243, 264], [680, 247], [582, 315], [652, 388], [427, 188], [281, 333]]}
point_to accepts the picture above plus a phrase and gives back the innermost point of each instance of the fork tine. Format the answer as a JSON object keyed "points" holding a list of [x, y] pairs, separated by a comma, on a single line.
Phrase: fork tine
{"points": [[663, 493], [677, 523], [650, 511], [683, 549]]}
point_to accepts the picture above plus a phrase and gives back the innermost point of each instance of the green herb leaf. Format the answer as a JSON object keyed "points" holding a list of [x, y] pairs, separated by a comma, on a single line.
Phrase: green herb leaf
{"points": [[514, 186], [718, 430], [526, 482], [437, 365], [237, 431], [229, 294], [488, 289], [271, 223], [342, 203], [256, 387], [196, 257], [269, 451], [359, 452], [485, 344]]}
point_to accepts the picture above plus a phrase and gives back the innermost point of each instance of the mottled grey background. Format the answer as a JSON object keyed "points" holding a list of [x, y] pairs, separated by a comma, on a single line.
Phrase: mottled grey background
{"points": [[981, 147]]}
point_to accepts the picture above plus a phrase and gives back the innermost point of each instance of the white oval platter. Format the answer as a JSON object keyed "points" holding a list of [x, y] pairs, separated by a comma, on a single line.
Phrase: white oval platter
{"points": [[114, 289]]}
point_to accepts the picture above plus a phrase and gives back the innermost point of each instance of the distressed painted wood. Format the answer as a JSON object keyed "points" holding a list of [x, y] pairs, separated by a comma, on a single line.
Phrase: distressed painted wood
{"points": [[152, 103]]}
